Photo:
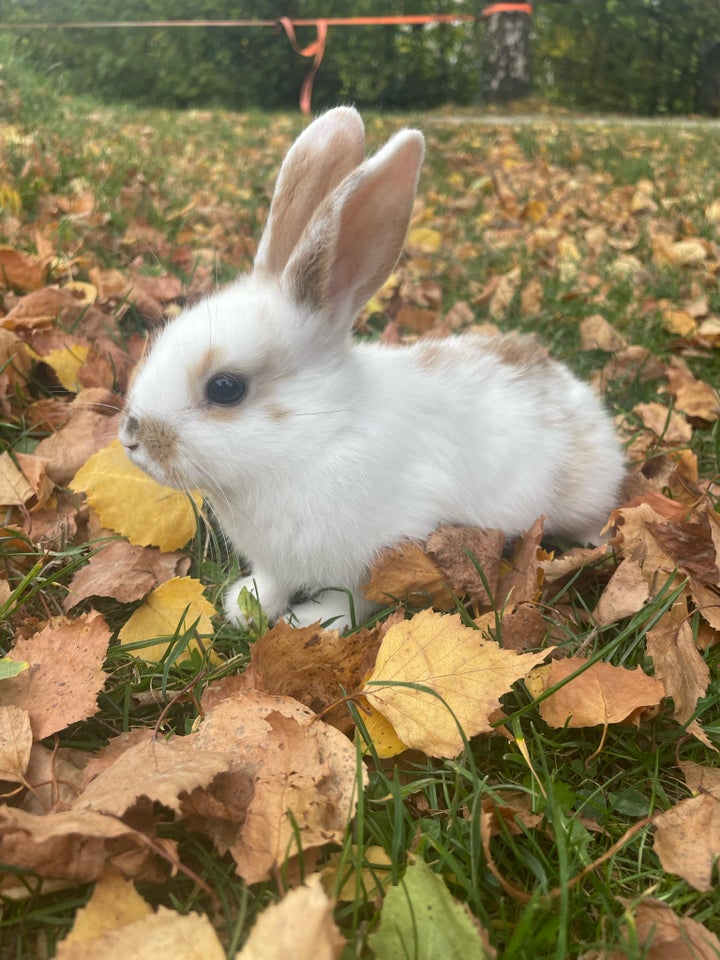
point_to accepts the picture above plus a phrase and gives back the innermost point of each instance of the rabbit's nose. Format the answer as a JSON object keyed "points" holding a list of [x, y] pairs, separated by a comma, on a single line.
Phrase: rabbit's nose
{"points": [[129, 431]]}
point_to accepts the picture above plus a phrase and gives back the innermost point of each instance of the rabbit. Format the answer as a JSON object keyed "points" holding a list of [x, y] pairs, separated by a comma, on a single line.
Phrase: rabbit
{"points": [[316, 452]]}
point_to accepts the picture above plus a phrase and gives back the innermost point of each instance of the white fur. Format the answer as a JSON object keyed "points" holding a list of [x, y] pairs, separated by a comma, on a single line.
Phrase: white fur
{"points": [[339, 450]]}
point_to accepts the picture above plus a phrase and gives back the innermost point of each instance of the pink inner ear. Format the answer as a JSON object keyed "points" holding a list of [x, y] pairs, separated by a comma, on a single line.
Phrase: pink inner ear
{"points": [[374, 219]]}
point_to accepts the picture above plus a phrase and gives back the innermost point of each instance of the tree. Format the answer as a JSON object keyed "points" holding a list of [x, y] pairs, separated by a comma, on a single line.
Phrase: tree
{"points": [[506, 55]]}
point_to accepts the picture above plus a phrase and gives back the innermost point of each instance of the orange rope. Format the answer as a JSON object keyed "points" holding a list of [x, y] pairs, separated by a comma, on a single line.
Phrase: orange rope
{"points": [[316, 49]]}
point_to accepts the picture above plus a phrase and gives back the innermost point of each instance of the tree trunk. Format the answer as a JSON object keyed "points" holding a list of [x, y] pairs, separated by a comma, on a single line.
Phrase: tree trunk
{"points": [[506, 57]]}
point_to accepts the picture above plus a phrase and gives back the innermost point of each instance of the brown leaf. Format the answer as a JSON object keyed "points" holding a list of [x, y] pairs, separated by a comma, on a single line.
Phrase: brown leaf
{"points": [[602, 694], [626, 592], [597, 334], [157, 769], [18, 271], [669, 426], [521, 580], [687, 840], [311, 665], [300, 926], [15, 743], [679, 664], [693, 397], [288, 760], [124, 572], [450, 546], [407, 574], [71, 845], [70, 447], [65, 674], [662, 935]]}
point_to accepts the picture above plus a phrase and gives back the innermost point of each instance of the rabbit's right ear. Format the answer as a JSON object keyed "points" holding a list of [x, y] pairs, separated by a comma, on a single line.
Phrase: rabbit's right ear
{"points": [[321, 157]]}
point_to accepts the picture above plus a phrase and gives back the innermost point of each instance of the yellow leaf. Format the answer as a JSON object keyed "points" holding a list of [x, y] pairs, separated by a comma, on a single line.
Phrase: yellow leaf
{"points": [[170, 610], [712, 211], [680, 322], [424, 239], [465, 674], [114, 903], [132, 504], [381, 732], [86, 293], [66, 362]]}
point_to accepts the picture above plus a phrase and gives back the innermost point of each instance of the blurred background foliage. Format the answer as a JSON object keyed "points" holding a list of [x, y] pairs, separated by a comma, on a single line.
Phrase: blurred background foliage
{"points": [[638, 56]]}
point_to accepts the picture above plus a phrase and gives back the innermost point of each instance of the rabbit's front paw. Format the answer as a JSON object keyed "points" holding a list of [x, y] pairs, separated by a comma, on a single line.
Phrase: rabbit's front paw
{"points": [[335, 609], [272, 598]]}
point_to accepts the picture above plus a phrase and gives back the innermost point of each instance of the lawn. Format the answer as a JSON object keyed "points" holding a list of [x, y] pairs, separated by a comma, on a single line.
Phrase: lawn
{"points": [[578, 820]]}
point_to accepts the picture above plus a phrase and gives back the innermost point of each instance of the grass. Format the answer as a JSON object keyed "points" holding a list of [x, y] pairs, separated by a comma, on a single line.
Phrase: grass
{"points": [[200, 183]]}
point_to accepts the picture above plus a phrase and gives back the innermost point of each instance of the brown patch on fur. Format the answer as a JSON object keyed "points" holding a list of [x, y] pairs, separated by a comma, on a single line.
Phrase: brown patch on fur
{"points": [[277, 412], [432, 355], [198, 371], [516, 350]]}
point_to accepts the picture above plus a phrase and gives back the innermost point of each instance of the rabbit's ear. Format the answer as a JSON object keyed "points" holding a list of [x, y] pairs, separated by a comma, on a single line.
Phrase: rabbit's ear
{"points": [[321, 157], [354, 241]]}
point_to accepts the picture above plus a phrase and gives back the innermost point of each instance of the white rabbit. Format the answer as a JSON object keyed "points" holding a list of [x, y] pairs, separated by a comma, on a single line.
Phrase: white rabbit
{"points": [[316, 452]]}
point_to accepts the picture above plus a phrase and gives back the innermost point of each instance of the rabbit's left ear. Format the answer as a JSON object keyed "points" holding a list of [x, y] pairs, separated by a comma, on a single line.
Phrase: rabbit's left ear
{"points": [[354, 240]]}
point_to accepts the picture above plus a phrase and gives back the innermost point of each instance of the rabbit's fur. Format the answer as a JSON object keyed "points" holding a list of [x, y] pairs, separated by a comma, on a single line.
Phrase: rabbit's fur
{"points": [[328, 450]]}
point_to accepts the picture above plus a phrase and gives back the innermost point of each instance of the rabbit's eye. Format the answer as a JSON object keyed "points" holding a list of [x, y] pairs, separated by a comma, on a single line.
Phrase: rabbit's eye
{"points": [[226, 389]]}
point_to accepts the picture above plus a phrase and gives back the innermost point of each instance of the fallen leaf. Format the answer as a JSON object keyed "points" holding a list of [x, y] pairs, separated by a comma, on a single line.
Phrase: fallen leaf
{"points": [[597, 334], [299, 926], [163, 934], [173, 608], [113, 904], [65, 676], [70, 446], [420, 919], [285, 759], [626, 592], [66, 362], [663, 935], [72, 845], [160, 770], [679, 665], [15, 742], [601, 694], [460, 551], [19, 271], [407, 574], [687, 840], [124, 572], [466, 671], [129, 502]]}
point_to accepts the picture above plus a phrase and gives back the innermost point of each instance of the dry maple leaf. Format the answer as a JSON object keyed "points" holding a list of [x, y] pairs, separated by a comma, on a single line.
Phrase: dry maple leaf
{"points": [[299, 926], [65, 675], [465, 669], [601, 694], [132, 504]]}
